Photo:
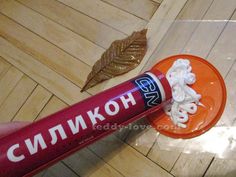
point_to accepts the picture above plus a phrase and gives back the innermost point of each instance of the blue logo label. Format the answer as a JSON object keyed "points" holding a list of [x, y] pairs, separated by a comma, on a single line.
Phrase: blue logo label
{"points": [[149, 90]]}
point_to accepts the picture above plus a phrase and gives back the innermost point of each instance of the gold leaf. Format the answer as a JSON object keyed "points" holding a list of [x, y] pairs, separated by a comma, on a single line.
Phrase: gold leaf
{"points": [[121, 57]]}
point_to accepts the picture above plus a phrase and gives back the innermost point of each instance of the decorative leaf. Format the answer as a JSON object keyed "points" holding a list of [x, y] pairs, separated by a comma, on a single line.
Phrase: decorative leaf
{"points": [[121, 57]]}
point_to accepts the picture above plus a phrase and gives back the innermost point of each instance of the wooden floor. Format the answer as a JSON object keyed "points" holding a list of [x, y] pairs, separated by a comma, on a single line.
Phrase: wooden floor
{"points": [[47, 48]]}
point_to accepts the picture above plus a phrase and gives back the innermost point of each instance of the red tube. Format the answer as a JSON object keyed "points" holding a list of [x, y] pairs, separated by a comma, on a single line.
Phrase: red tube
{"points": [[40, 144]]}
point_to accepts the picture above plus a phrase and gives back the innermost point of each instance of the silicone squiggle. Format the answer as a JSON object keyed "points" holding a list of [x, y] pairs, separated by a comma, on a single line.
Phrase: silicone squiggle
{"points": [[185, 99]]}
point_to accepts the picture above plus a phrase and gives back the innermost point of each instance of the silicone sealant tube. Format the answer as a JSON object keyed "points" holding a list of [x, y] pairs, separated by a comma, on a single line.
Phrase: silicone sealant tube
{"points": [[44, 142]]}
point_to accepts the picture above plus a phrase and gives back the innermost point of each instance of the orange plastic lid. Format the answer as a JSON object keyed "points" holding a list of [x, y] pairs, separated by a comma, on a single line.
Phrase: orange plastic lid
{"points": [[209, 84]]}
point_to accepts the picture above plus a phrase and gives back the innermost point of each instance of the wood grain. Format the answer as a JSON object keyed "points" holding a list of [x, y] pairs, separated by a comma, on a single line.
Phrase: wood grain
{"points": [[16, 98], [33, 105], [180, 31], [210, 30], [158, 1], [107, 14], [67, 40], [224, 49], [119, 156], [8, 82], [79, 23], [4, 66], [140, 8], [52, 81], [53, 105], [222, 167], [164, 157], [142, 139], [59, 169], [44, 51], [86, 163]]}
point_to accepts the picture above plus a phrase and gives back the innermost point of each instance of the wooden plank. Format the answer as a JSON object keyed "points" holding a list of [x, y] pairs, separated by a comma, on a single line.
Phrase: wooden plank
{"points": [[107, 14], [122, 133], [141, 8], [195, 166], [59, 169], [8, 82], [158, 1], [210, 30], [194, 10], [120, 155], [33, 105], [180, 31], [80, 23], [54, 105], [165, 158], [16, 98], [224, 50], [142, 138], [52, 81], [44, 51], [222, 167], [85, 163], [62, 37], [228, 117], [4, 66], [157, 28], [40, 174]]}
